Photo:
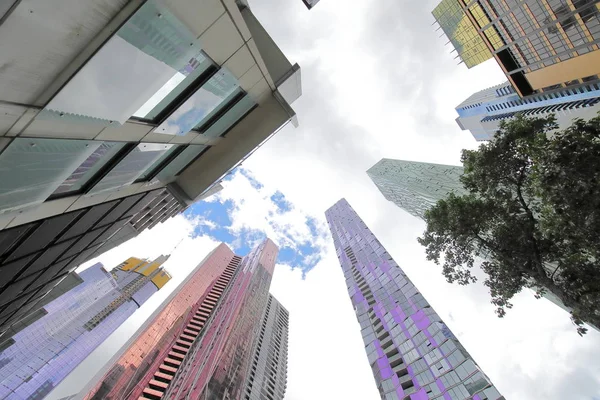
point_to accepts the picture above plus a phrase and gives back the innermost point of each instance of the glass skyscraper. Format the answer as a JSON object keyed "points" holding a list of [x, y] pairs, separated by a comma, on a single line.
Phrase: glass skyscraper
{"points": [[483, 111], [37, 358], [413, 354], [541, 45], [213, 338], [269, 365], [470, 47], [415, 186]]}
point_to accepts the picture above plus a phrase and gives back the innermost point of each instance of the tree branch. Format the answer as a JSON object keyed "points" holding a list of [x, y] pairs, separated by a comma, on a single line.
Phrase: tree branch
{"points": [[536, 250]]}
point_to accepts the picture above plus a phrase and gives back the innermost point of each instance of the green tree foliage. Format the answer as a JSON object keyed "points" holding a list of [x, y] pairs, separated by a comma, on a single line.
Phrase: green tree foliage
{"points": [[532, 214]]}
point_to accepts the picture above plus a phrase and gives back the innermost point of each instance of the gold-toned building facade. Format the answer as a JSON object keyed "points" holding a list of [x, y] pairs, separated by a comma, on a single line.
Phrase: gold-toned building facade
{"points": [[541, 45]]}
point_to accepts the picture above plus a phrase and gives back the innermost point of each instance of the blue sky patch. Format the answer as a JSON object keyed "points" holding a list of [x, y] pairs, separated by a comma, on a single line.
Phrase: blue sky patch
{"points": [[213, 219], [282, 204], [253, 181]]}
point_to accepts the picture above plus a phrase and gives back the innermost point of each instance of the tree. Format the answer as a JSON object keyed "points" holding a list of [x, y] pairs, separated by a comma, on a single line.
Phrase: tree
{"points": [[531, 213]]}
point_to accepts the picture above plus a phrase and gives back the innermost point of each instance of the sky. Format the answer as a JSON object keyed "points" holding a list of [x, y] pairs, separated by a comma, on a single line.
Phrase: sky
{"points": [[378, 81]]}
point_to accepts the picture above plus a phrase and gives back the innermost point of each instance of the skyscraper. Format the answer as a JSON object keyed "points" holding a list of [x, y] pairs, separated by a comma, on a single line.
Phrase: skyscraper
{"points": [[41, 355], [483, 111], [177, 94], [412, 353], [210, 339], [541, 45], [415, 186], [268, 374], [470, 47]]}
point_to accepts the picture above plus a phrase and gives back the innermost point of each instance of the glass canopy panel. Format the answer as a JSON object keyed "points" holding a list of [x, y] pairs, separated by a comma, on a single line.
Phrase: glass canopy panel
{"points": [[131, 167], [150, 170], [31, 169], [230, 118], [210, 98], [148, 62], [86, 171], [181, 161]]}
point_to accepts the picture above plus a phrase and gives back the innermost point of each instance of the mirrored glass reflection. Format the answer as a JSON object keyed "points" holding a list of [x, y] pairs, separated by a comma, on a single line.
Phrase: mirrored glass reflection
{"points": [[211, 97], [132, 166], [140, 70]]}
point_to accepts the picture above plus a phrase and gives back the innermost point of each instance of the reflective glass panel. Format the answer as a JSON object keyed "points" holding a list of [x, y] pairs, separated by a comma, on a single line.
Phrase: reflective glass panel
{"points": [[127, 376], [102, 155], [183, 159], [210, 98], [148, 62], [132, 166], [31, 169], [149, 171], [460, 31], [230, 118]]}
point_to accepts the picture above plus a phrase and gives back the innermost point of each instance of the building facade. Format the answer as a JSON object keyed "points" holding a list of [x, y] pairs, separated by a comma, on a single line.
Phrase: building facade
{"points": [[268, 374], [310, 3], [413, 354], [541, 45], [140, 108], [203, 341], [38, 357], [415, 186], [482, 113], [469, 46]]}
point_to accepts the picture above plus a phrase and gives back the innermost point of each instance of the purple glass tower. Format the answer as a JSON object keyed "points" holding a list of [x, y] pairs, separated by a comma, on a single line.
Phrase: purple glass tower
{"points": [[40, 356], [413, 354]]}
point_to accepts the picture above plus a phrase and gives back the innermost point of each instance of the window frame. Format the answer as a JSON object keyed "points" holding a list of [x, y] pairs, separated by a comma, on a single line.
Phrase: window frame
{"points": [[212, 120], [181, 98], [160, 166], [86, 187]]}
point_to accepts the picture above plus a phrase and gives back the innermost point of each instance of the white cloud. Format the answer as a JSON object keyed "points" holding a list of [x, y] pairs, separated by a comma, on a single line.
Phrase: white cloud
{"points": [[255, 211]]}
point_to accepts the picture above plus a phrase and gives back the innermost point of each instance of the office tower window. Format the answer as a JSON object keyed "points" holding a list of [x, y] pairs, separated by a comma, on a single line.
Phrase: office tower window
{"points": [[215, 94], [462, 34], [218, 124], [141, 71], [132, 166], [42, 164], [89, 168], [159, 163]]}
